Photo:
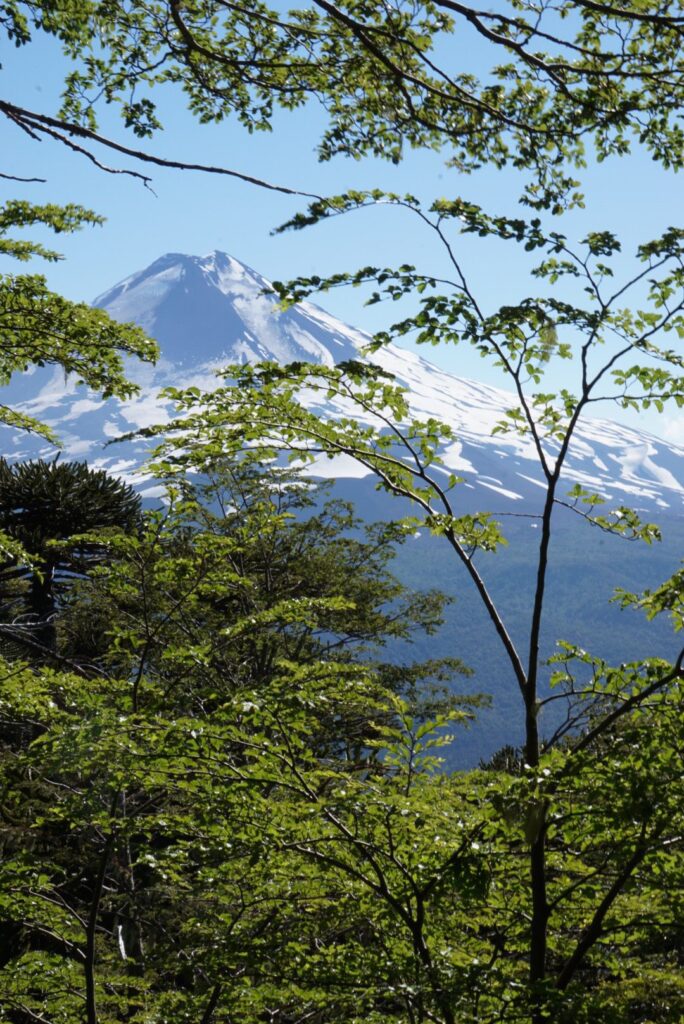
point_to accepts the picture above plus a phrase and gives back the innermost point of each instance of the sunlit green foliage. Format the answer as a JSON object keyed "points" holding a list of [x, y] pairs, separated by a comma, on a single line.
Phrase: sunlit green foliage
{"points": [[581, 839], [550, 84], [226, 811], [161, 860], [40, 328]]}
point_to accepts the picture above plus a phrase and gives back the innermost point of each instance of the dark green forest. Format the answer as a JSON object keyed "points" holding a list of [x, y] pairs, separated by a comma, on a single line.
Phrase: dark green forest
{"points": [[222, 801], [218, 799]]}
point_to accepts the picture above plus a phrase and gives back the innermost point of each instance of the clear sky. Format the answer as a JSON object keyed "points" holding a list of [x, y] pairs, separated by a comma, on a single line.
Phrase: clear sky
{"points": [[194, 213]]}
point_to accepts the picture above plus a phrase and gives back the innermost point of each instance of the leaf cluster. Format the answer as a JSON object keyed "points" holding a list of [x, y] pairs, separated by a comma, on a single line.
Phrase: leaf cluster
{"points": [[388, 79]]}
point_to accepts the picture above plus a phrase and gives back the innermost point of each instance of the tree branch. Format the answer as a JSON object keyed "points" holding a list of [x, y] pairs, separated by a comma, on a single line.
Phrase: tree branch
{"points": [[34, 122]]}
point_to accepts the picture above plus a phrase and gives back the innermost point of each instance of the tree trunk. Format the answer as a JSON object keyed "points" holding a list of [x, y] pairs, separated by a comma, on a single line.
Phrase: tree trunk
{"points": [[42, 605]]}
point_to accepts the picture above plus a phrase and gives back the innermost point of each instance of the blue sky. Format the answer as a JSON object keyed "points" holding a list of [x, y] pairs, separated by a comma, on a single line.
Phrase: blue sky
{"points": [[194, 213]]}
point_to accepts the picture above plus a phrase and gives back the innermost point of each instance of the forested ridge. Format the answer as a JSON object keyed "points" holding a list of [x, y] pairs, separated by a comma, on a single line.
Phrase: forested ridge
{"points": [[219, 800]]}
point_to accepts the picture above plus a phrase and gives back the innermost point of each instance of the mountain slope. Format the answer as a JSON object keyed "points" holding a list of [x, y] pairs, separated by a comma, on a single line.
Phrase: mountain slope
{"points": [[212, 310], [209, 311]]}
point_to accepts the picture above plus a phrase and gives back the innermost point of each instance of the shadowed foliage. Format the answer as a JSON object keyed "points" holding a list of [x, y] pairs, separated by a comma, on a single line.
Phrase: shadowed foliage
{"points": [[60, 513]]}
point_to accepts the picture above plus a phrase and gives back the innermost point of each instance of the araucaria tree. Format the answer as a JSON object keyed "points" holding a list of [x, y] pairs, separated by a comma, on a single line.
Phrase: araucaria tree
{"points": [[296, 881], [61, 514]]}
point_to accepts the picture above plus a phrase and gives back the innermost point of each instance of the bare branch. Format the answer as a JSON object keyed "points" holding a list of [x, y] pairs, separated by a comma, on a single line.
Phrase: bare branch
{"points": [[35, 124], [16, 177]]}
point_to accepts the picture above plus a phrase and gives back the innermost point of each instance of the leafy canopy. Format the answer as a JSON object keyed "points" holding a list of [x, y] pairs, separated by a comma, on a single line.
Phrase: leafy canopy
{"points": [[558, 81]]}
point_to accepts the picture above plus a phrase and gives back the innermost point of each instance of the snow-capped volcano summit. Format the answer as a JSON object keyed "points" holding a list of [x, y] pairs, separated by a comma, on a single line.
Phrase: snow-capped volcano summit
{"points": [[207, 311], [213, 309]]}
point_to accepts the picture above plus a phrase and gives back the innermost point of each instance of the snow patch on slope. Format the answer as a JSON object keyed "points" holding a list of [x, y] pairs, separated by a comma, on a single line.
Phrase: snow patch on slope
{"points": [[211, 310]]}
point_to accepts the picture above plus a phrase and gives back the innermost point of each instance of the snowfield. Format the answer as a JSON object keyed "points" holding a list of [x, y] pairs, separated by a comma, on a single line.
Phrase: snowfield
{"points": [[211, 310]]}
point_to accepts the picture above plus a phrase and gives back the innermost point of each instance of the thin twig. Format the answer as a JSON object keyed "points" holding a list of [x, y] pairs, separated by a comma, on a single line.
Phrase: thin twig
{"points": [[16, 177]]}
